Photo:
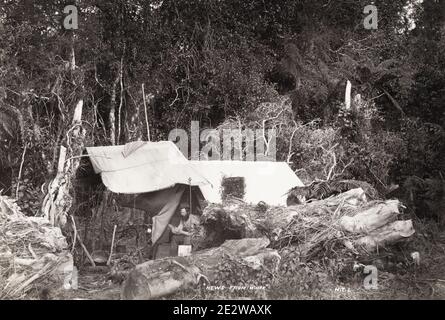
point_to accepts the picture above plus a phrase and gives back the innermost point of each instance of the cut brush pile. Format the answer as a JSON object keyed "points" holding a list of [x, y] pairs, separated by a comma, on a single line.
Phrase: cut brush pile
{"points": [[33, 254], [319, 228]]}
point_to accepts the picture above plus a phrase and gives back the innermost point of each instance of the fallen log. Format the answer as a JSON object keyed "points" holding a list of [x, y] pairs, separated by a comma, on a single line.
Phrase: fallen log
{"points": [[157, 278], [319, 190], [389, 234], [375, 216]]}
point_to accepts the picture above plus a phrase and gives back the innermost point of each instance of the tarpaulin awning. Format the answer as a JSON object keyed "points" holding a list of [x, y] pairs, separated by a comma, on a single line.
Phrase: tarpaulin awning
{"points": [[141, 167], [264, 180]]}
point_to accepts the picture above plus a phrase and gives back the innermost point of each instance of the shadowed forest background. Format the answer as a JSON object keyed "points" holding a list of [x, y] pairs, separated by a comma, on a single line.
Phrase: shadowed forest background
{"points": [[227, 64]]}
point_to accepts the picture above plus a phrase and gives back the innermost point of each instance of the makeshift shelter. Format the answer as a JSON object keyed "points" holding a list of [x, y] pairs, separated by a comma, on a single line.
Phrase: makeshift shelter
{"points": [[152, 176], [264, 180]]}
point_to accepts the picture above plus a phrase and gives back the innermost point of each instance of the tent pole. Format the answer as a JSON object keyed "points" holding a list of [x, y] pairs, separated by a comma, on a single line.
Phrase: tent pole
{"points": [[190, 194]]}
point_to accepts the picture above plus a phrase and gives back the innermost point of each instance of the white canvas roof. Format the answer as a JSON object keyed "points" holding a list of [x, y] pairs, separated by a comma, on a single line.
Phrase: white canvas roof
{"points": [[265, 181], [141, 167]]}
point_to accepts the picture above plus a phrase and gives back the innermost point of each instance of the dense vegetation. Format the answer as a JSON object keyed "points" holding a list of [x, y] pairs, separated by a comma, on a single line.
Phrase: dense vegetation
{"points": [[228, 63]]}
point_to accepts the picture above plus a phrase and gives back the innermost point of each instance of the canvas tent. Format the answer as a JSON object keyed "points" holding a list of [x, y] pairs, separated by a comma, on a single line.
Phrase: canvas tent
{"points": [[156, 173], [264, 180], [140, 167]]}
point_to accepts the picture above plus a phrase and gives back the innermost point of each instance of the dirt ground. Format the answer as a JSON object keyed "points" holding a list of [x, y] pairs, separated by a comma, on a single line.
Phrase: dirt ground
{"points": [[398, 278]]}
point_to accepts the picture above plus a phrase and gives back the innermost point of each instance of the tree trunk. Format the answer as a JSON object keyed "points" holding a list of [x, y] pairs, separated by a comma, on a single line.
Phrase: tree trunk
{"points": [[112, 114]]}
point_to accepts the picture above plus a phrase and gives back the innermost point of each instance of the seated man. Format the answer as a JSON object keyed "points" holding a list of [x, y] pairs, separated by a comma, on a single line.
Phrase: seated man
{"points": [[181, 233]]}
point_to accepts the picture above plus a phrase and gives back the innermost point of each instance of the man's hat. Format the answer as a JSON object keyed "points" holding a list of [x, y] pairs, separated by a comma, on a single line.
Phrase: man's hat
{"points": [[184, 205]]}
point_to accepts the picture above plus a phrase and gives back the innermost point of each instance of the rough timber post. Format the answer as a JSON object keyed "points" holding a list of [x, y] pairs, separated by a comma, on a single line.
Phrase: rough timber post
{"points": [[58, 201]]}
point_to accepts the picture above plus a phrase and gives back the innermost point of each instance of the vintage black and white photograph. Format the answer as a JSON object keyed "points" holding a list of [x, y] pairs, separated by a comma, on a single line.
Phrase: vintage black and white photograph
{"points": [[242, 150]]}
